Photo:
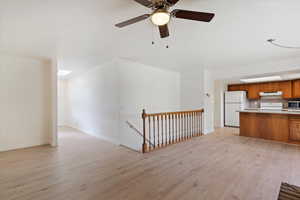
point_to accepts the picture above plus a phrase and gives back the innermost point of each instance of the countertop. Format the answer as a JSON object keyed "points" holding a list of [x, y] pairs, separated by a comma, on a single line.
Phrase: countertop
{"points": [[283, 111]]}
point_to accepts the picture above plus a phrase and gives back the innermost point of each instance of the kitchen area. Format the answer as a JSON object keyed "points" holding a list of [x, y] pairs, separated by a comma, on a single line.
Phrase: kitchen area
{"points": [[267, 108]]}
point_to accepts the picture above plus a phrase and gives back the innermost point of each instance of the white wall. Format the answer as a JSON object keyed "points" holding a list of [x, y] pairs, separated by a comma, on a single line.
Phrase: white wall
{"points": [[197, 91], [54, 128], [209, 102], [144, 87], [192, 89], [94, 102], [220, 88], [63, 102], [25, 102], [104, 98]]}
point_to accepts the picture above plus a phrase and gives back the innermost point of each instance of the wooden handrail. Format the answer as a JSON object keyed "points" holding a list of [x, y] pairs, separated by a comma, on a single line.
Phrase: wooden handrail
{"points": [[170, 113], [165, 128]]}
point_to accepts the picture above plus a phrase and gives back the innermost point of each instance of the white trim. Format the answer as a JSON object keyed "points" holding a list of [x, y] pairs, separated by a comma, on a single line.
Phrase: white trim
{"points": [[208, 131], [54, 138], [96, 136]]}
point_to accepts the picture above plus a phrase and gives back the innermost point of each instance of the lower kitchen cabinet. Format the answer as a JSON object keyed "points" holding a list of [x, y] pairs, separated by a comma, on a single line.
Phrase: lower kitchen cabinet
{"points": [[267, 126], [271, 126], [294, 124]]}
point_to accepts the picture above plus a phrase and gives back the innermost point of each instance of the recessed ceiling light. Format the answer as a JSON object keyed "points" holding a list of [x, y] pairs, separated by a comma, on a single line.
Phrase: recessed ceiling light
{"points": [[261, 79], [63, 72]]}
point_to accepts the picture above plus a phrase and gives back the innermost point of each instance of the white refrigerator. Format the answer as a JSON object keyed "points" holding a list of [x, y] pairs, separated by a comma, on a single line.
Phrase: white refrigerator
{"points": [[234, 101]]}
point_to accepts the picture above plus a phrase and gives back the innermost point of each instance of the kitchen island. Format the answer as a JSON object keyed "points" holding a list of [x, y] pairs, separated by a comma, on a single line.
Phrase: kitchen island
{"points": [[277, 125]]}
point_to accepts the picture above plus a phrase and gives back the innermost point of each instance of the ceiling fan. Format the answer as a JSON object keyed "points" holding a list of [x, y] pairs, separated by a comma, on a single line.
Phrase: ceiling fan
{"points": [[161, 15]]}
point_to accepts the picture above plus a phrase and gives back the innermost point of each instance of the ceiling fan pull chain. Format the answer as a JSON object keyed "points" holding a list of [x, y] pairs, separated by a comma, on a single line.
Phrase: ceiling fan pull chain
{"points": [[168, 39], [153, 36]]}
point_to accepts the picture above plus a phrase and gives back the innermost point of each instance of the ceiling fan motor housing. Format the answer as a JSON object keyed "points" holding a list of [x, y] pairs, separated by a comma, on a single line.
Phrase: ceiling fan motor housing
{"points": [[162, 10], [158, 4]]}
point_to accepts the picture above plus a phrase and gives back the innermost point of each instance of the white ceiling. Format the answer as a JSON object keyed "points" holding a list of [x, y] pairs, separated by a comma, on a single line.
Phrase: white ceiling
{"points": [[81, 34]]}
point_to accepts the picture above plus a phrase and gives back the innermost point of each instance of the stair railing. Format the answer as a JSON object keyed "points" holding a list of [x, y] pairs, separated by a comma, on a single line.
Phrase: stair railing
{"points": [[163, 129]]}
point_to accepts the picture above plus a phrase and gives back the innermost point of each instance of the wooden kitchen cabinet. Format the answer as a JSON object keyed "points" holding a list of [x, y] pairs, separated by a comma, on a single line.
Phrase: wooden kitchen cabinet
{"points": [[290, 89], [276, 86], [296, 89], [294, 124], [271, 126], [253, 91], [286, 88], [272, 87], [265, 87], [244, 87], [235, 87], [267, 126]]}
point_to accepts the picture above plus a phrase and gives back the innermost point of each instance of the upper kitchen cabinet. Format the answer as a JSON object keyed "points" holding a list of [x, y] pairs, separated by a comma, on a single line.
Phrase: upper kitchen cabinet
{"points": [[286, 88], [244, 87], [269, 87], [253, 91], [238, 87], [255, 88], [296, 89], [234, 87]]}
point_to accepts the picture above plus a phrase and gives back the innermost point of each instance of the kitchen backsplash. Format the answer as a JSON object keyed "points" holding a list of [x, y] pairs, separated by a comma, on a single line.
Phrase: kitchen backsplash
{"points": [[256, 103]]}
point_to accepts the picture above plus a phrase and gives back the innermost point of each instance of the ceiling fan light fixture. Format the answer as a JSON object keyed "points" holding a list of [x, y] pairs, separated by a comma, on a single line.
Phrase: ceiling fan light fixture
{"points": [[160, 18]]}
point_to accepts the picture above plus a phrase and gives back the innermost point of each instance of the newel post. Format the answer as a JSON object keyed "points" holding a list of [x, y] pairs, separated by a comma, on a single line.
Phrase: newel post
{"points": [[144, 130]]}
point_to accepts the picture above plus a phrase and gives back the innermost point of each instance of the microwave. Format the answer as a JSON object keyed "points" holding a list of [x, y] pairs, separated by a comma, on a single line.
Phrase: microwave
{"points": [[294, 105]]}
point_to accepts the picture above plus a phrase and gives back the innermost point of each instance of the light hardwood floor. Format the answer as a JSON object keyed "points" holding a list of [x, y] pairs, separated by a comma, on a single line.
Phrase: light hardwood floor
{"points": [[222, 165]]}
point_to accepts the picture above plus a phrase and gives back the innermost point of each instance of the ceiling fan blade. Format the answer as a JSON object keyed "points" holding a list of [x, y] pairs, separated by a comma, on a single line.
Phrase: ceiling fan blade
{"points": [[192, 15], [164, 31], [146, 3], [172, 2], [132, 21]]}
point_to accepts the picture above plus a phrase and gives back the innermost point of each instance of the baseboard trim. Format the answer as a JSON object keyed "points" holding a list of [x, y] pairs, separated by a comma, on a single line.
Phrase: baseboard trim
{"points": [[24, 148], [208, 131], [126, 147], [96, 136]]}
